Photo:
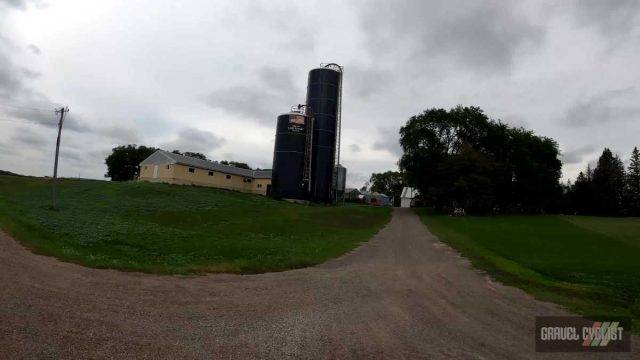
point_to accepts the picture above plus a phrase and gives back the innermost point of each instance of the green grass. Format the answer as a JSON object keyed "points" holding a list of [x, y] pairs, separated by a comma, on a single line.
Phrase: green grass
{"points": [[591, 265], [159, 228]]}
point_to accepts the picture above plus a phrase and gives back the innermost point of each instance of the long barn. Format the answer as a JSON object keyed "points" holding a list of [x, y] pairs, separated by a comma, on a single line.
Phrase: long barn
{"points": [[167, 167]]}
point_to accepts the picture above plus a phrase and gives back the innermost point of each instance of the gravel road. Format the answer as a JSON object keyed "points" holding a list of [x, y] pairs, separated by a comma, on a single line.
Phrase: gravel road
{"points": [[401, 295]]}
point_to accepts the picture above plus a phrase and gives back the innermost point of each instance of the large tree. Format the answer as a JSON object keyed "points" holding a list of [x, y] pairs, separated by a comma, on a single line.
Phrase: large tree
{"points": [[608, 184], [123, 163], [633, 184], [236, 164], [582, 195], [468, 174], [389, 183], [196, 155], [461, 158]]}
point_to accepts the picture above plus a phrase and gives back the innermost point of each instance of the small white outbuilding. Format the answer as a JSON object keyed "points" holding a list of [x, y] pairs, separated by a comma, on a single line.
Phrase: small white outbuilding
{"points": [[407, 196]]}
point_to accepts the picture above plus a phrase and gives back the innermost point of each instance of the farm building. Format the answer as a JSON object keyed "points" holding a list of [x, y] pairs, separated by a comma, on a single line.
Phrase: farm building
{"points": [[377, 199], [353, 195], [166, 167], [407, 199]]}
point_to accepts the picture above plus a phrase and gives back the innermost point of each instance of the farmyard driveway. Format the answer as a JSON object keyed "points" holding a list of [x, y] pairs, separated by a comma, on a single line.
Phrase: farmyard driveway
{"points": [[401, 295]]}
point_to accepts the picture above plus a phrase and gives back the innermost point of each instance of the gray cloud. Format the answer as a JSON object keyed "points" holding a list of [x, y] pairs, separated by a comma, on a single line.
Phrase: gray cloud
{"points": [[119, 134], [34, 115], [195, 140], [357, 179], [10, 78], [605, 107], [14, 78], [388, 141], [34, 49], [21, 4], [479, 35], [78, 156], [30, 138], [355, 148], [249, 102], [576, 155], [302, 40], [278, 78], [273, 94], [29, 74], [515, 120], [612, 18], [49, 119], [298, 36], [73, 122], [7, 150], [366, 81]]}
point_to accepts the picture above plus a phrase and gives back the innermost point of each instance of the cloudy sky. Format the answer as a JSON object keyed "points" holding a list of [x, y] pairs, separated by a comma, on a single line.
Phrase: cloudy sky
{"points": [[211, 76]]}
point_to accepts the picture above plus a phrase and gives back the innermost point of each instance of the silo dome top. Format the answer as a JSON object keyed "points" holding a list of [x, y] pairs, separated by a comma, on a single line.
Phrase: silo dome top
{"points": [[329, 66]]}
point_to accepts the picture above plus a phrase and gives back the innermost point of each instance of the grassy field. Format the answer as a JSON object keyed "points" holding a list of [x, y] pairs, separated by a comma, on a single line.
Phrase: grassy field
{"points": [[591, 265], [168, 229]]}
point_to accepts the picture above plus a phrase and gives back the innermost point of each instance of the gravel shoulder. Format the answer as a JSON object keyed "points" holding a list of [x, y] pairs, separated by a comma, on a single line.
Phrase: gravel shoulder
{"points": [[401, 295]]}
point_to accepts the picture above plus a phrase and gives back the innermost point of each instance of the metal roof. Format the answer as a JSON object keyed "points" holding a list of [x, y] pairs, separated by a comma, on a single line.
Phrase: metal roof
{"points": [[211, 165]]}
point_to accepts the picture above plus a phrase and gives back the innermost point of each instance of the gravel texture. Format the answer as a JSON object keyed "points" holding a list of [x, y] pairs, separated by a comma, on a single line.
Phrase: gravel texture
{"points": [[401, 295]]}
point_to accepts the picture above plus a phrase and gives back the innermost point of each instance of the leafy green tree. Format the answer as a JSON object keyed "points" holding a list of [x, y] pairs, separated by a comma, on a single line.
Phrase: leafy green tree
{"points": [[516, 170], [608, 184], [236, 164], [633, 183], [191, 154], [389, 183], [123, 163], [536, 168], [196, 155], [428, 139], [468, 174]]}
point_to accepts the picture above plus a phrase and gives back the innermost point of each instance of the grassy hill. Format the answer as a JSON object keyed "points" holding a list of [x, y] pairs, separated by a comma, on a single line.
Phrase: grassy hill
{"points": [[169, 229], [8, 173], [589, 264]]}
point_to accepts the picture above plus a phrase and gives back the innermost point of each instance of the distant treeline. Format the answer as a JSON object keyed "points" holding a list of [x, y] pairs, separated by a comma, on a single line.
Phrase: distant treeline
{"points": [[608, 189], [462, 159]]}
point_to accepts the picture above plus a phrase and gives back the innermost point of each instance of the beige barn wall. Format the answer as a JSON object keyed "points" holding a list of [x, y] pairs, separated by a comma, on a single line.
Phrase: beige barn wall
{"points": [[165, 173], [260, 186], [179, 174]]}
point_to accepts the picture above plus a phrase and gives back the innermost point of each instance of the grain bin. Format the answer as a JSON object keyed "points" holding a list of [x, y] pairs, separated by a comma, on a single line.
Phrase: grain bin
{"points": [[288, 180], [323, 98]]}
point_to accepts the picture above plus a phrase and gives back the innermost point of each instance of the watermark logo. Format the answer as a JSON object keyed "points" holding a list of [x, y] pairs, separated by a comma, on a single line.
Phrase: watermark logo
{"points": [[579, 334]]}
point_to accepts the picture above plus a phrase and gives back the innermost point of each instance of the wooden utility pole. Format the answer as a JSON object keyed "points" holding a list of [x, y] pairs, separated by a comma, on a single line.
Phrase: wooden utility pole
{"points": [[62, 111]]}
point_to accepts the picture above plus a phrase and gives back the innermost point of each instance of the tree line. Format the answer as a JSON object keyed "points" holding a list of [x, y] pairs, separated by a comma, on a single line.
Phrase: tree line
{"points": [[607, 190], [123, 164], [460, 158]]}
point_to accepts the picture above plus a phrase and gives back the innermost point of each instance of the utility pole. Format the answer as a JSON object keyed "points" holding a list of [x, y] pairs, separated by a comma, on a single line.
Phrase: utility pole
{"points": [[62, 111]]}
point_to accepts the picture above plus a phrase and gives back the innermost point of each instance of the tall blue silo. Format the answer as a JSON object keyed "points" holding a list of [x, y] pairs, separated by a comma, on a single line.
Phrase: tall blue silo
{"points": [[323, 98]]}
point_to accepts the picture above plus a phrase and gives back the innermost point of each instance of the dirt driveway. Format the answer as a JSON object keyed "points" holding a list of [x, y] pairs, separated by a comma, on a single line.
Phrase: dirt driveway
{"points": [[402, 295]]}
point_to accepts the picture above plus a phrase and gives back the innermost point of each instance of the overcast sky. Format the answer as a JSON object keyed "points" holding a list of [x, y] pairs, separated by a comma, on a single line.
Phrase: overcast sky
{"points": [[212, 76]]}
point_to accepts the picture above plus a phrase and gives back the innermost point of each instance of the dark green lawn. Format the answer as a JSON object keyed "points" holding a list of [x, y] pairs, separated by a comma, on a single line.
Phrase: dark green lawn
{"points": [[169, 229], [589, 264]]}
